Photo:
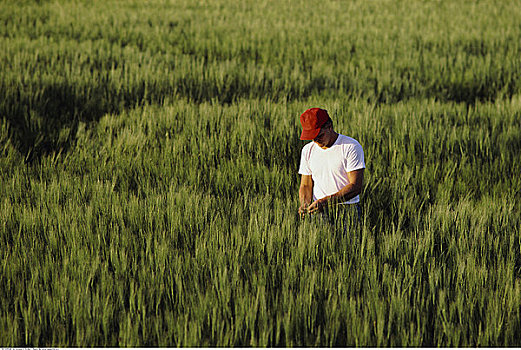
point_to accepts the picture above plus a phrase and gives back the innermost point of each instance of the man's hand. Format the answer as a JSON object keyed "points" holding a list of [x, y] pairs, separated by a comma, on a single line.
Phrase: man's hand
{"points": [[317, 206], [303, 210]]}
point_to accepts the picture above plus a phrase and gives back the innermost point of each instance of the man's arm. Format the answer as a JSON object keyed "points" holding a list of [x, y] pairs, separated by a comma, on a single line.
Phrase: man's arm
{"points": [[305, 193], [352, 189]]}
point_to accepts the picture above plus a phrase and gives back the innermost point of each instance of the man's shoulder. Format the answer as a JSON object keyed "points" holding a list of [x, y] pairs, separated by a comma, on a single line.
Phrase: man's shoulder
{"points": [[347, 141], [307, 147]]}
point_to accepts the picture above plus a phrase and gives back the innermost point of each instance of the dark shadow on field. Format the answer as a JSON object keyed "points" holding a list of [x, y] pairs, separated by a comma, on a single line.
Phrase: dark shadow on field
{"points": [[381, 213], [36, 120], [46, 121], [43, 117], [379, 208], [458, 91]]}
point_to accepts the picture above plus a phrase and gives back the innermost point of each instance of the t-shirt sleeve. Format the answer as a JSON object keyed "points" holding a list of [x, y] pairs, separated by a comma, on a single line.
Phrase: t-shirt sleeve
{"points": [[355, 158], [304, 163]]}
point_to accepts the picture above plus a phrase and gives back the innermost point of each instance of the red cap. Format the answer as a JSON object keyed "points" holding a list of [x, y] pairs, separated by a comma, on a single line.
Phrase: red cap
{"points": [[312, 120]]}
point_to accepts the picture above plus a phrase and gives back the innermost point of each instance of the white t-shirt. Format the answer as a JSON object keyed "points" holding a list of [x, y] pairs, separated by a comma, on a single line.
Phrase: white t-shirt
{"points": [[329, 167]]}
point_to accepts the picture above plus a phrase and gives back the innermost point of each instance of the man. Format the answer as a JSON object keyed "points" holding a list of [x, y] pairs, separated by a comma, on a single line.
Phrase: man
{"points": [[332, 168]]}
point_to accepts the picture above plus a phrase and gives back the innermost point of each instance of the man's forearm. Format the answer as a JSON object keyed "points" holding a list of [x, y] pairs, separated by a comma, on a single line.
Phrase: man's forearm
{"points": [[305, 194], [346, 193]]}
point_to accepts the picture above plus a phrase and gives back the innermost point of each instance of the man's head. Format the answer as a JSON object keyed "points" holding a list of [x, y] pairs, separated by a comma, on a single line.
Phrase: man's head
{"points": [[312, 121]]}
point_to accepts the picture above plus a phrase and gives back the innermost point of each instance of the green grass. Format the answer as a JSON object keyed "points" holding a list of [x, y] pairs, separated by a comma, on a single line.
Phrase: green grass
{"points": [[148, 173]]}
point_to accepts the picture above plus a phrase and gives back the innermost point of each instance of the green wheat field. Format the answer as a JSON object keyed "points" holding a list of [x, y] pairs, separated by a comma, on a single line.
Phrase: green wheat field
{"points": [[148, 173]]}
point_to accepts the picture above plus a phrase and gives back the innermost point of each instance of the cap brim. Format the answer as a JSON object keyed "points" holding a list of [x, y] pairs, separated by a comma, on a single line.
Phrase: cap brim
{"points": [[309, 134]]}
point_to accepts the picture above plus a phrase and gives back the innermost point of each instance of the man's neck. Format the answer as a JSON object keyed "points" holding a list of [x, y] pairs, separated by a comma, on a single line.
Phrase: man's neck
{"points": [[332, 140]]}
